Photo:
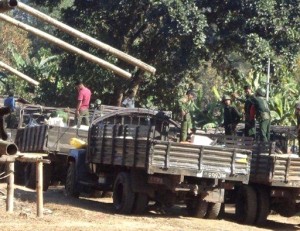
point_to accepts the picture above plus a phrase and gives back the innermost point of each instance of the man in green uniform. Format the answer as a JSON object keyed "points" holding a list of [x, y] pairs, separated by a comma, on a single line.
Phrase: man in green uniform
{"points": [[263, 115], [297, 114], [231, 116], [187, 108]]}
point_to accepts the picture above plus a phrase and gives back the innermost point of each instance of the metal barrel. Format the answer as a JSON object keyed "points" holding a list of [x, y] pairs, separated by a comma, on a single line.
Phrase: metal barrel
{"points": [[8, 148], [6, 5]]}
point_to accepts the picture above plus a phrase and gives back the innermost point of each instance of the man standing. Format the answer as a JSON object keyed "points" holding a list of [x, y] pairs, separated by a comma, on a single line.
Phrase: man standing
{"points": [[82, 109], [11, 119], [187, 108], [231, 116], [263, 115], [10, 102], [250, 129]]}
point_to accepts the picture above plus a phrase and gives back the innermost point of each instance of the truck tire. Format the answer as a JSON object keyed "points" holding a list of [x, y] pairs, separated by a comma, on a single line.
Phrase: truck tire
{"points": [[213, 210], [140, 203], [106, 194], [263, 206], [71, 188], [287, 208], [123, 196], [30, 176], [197, 207], [246, 205]]}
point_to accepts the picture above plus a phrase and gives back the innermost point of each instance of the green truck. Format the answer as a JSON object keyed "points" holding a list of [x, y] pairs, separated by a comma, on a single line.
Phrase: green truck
{"points": [[274, 183], [135, 153]]}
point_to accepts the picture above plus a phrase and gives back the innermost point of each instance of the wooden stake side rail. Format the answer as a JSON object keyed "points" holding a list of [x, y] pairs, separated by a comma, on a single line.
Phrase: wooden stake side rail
{"points": [[29, 158]]}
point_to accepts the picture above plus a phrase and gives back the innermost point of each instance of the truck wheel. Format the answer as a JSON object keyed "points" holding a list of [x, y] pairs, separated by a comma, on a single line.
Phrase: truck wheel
{"points": [[286, 208], [107, 194], [30, 176], [197, 207], [213, 210], [123, 196], [140, 203], [246, 205], [263, 206], [71, 189]]}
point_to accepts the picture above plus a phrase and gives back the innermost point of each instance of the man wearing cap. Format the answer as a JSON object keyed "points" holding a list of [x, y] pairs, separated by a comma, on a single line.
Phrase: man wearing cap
{"points": [[262, 113], [231, 116], [297, 114], [83, 103], [187, 108]]}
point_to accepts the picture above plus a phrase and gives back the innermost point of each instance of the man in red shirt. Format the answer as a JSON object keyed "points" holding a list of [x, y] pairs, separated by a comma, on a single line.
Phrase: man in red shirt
{"points": [[82, 109]]}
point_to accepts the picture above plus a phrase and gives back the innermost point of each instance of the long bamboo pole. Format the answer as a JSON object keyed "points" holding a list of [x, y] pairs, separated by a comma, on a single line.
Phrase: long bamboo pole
{"points": [[67, 46], [19, 74], [92, 41]]}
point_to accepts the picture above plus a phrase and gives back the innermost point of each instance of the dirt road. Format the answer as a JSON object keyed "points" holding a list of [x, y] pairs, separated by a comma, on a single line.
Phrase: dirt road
{"points": [[64, 213]]}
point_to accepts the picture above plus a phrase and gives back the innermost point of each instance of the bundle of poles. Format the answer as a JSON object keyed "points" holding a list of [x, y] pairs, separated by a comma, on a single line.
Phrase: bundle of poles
{"points": [[6, 5]]}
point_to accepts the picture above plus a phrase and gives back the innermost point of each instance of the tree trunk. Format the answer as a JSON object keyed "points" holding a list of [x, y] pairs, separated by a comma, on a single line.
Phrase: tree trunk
{"points": [[121, 89]]}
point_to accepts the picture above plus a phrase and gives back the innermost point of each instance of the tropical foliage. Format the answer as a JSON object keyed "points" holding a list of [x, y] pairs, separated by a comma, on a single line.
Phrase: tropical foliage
{"points": [[212, 46]]}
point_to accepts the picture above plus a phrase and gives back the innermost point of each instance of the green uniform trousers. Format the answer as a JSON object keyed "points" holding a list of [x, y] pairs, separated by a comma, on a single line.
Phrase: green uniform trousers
{"points": [[83, 114], [264, 130], [186, 125]]}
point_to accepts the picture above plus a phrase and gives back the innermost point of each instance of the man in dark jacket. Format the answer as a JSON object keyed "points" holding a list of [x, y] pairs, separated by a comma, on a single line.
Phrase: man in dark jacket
{"points": [[262, 113], [231, 116], [250, 129]]}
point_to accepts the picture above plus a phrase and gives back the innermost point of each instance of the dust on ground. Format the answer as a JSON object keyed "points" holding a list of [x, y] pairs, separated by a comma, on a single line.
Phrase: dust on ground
{"points": [[65, 213]]}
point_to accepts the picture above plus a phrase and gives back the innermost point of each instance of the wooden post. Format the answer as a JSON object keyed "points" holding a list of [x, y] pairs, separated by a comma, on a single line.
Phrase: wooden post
{"points": [[64, 45], [10, 187], [39, 187]]}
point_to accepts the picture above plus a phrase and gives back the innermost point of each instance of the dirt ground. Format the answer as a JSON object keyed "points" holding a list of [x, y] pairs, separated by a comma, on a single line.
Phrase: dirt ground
{"points": [[64, 213]]}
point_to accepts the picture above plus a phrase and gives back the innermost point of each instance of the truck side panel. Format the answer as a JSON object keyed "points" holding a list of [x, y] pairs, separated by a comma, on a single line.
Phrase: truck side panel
{"points": [[130, 146], [276, 170], [32, 139], [46, 139], [199, 161], [120, 145]]}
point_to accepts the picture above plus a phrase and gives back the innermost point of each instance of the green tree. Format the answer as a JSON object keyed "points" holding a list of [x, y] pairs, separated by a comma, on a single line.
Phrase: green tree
{"points": [[166, 34], [193, 44]]}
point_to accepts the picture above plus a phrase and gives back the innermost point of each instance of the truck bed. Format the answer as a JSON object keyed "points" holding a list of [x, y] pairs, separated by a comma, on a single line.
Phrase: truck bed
{"points": [[47, 138], [136, 146], [282, 170], [267, 167]]}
